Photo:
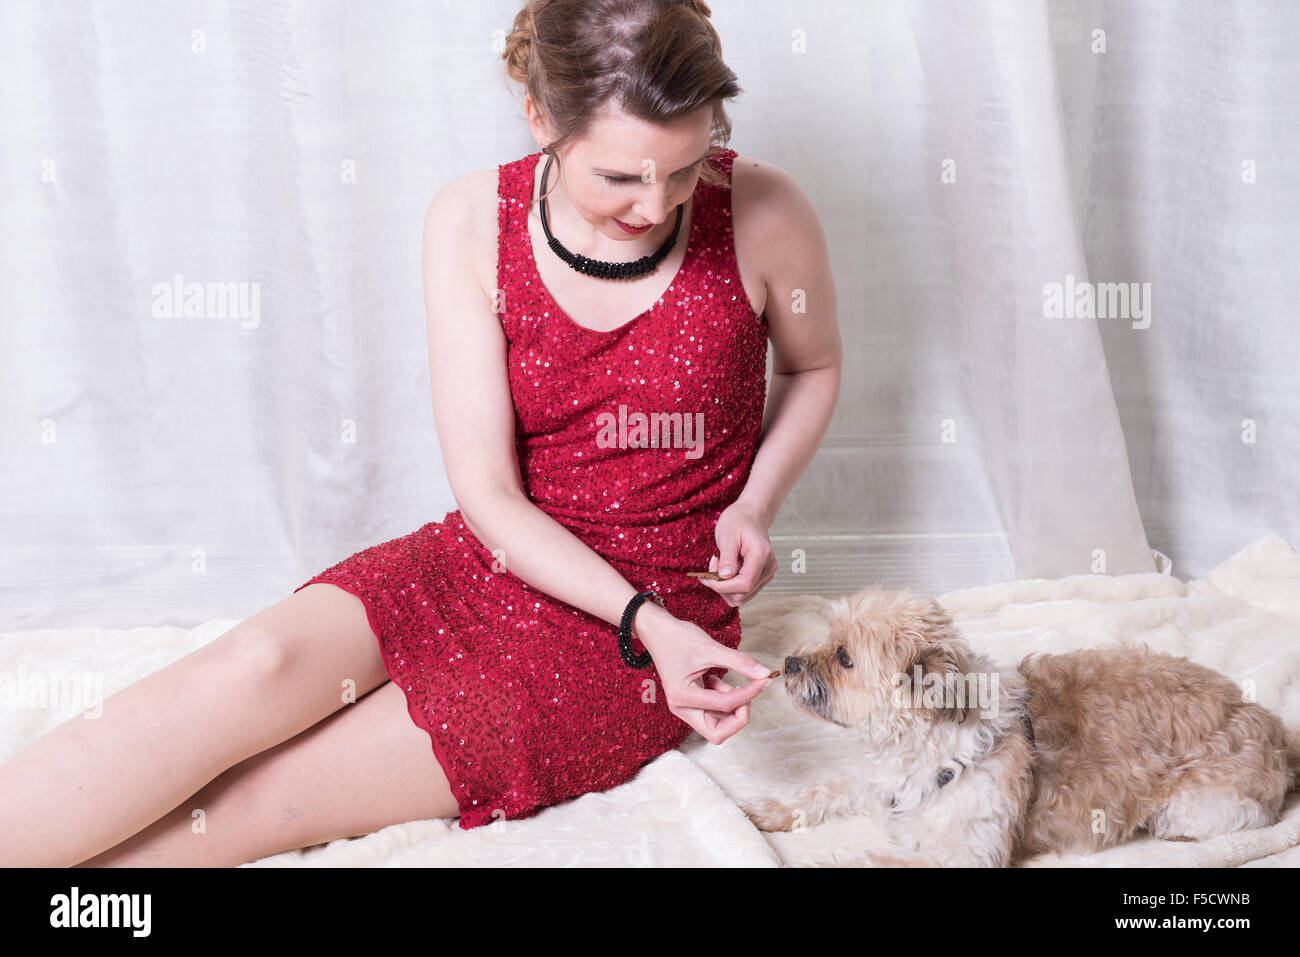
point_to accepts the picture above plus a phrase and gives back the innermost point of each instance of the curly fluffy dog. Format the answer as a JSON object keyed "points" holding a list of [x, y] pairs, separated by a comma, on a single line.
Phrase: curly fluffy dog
{"points": [[974, 765]]}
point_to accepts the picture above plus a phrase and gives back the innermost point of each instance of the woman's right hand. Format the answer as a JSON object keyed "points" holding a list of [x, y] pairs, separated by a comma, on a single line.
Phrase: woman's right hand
{"points": [[683, 652]]}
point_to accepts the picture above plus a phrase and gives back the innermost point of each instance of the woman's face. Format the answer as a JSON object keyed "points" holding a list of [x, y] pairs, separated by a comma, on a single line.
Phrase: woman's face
{"points": [[632, 172]]}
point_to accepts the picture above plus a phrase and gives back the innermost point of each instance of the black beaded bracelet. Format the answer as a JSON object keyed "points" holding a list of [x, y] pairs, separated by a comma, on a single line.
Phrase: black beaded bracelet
{"points": [[630, 657]]}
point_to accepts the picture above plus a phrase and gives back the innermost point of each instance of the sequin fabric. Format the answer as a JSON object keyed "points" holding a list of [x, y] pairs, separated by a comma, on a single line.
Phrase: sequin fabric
{"points": [[525, 697]]}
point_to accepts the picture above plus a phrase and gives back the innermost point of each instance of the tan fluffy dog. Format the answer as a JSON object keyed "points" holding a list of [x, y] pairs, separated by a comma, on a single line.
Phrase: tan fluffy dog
{"points": [[969, 764]]}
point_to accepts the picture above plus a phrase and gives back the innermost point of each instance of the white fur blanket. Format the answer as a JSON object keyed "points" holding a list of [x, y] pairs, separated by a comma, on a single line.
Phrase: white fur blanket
{"points": [[1242, 619]]}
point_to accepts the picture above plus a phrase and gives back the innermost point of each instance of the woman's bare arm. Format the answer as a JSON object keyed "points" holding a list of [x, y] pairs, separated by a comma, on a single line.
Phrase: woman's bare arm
{"points": [[785, 240]]}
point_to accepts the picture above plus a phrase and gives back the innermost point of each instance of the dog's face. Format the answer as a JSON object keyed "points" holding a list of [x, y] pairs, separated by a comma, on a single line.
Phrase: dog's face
{"points": [[876, 636]]}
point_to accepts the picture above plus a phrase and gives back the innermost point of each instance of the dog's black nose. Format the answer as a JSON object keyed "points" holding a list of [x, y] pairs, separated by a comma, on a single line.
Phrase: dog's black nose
{"points": [[792, 665]]}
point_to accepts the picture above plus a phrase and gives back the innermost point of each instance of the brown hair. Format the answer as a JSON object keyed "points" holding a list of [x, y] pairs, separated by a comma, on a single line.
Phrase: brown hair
{"points": [[657, 60]]}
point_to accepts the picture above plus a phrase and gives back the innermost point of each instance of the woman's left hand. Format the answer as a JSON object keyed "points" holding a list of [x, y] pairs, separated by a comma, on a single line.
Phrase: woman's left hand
{"points": [[747, 562]]}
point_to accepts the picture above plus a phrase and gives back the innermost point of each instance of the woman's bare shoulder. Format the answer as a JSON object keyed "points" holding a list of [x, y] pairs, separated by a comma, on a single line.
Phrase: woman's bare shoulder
{"points": [[465, 198], [763, 194], [466, 208], [769, 210]]}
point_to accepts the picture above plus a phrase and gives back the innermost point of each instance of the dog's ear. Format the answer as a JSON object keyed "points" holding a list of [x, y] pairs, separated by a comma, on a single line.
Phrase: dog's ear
{"points": [[945, 664], [940, 651], [937, 621]]}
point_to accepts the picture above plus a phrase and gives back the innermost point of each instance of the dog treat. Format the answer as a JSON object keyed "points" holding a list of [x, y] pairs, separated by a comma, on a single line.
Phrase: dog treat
{"points": [[775, 674]]}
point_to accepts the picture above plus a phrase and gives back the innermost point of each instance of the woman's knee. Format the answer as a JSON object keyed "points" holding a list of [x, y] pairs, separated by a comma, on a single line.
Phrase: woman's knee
{"points": [[247, 653], [320, 628]]}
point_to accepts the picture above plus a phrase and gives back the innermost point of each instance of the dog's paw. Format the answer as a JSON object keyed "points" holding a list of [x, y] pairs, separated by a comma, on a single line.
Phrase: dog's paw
{"points": [[771, 815]]}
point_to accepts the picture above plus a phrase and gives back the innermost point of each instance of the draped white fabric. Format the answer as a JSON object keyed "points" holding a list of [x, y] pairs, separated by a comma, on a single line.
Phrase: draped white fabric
{"points": [[169, 459]]}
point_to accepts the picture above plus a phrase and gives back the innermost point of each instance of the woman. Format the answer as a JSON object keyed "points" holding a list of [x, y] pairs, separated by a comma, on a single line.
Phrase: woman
{"points": [[602, 429]]}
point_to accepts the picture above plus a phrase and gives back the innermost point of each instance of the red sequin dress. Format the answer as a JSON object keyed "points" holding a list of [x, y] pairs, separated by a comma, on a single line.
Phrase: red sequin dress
{"points": [[525, 697]]}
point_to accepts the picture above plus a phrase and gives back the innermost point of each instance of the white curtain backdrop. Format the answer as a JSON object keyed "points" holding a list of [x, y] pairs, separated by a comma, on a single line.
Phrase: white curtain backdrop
{"points": [[964, 157]]}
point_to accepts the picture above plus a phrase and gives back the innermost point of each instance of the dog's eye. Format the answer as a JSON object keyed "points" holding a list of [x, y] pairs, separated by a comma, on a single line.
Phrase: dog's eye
{"points": [[842, 657]]}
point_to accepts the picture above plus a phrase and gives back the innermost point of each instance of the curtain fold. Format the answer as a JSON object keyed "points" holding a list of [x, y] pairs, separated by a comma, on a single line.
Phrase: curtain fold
{"points": [[1042, 400]]}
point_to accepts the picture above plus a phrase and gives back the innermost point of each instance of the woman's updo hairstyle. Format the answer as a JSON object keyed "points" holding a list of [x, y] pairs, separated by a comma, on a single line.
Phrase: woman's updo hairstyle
{"points": [[657, 60]]}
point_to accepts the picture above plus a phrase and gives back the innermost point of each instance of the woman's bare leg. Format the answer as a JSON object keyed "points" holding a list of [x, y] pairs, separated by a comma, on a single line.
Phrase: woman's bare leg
{"points": [[91, 783], [361, 769]]}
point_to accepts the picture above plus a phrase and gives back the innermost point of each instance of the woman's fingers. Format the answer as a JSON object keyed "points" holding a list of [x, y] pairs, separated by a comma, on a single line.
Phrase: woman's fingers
{"points": [[714, 683], [713, 729], [718, 725], [769, 572], [715, 725], [708, 721], [765, 576], [726, 727], [757, 566], [725, 701], [735, 583], [741, 713]]}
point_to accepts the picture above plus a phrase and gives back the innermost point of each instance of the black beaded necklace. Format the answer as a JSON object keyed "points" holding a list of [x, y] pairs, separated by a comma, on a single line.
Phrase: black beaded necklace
{"points": [[594, 267]]}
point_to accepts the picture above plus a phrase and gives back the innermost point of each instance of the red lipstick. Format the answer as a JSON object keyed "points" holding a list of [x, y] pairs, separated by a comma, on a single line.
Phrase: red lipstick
{"points": [[633, 229]]}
